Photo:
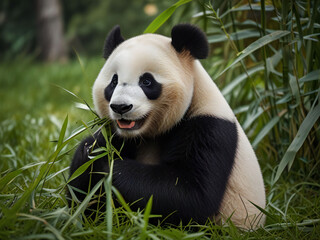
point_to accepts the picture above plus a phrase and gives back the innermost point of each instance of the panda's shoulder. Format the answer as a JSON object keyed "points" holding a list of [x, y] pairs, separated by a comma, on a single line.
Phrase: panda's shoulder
{"points": [[207, 123], [202, 138], [208, 128]]}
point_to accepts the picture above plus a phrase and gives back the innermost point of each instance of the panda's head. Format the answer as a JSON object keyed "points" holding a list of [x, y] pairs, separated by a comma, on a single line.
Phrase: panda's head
{"points": [[146, 84]]}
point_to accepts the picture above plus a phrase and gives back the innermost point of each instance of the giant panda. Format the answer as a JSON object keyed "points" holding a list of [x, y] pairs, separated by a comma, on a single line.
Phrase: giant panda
{"points": [[179, 139]]}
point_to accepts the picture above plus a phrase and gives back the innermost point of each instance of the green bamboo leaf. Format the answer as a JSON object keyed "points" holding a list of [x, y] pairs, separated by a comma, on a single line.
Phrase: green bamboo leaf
{"points": [[85, 166], [311, 76], [294, 88], [254, 7], [227, 89], [242, 34], [297, 142], [256, 45], [242, 8], [55, 174], [81, 106], [164, 16], [300, 31], [102, 121], [85, 102], [251, 117], [265, 130], [161, 19], [285, 99], [312, 37]]}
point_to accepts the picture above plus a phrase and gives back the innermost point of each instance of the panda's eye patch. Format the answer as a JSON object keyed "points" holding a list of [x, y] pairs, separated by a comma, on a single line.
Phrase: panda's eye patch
{"points": [[150, 86], [108, 91], [146, 80], [114, 80]]}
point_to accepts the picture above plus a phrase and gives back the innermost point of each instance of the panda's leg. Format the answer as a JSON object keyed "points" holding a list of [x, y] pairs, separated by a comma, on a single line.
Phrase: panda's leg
{"points": [[174, 191]]}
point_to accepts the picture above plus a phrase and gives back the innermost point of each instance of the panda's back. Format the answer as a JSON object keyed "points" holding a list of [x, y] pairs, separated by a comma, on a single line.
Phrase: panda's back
{"points": [[245, 184]]}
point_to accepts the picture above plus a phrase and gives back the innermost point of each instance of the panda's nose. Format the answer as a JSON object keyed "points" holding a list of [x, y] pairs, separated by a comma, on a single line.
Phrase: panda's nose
{"points": [[121, 108]]}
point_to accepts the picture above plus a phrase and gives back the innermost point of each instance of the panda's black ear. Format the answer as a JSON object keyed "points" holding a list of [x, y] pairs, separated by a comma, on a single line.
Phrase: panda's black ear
{"points": [[112, 41], [187, 37]]}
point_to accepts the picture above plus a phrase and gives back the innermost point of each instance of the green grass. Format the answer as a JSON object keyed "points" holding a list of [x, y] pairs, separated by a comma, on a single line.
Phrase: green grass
{"points": [[35, 88], [270, 80], [293, 211]]}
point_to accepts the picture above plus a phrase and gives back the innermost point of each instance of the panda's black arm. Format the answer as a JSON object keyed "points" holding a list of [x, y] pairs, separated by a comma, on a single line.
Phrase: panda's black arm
{"points": [[79, 158], [93, 174], [197, 158]]}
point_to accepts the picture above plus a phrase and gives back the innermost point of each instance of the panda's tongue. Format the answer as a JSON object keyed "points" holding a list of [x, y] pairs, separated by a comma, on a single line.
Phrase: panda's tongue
{"points": [[126, 124]]}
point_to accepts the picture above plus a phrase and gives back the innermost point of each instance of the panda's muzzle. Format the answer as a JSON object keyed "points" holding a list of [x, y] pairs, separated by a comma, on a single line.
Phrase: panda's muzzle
{"points": [[125, 123], [121, 108]]}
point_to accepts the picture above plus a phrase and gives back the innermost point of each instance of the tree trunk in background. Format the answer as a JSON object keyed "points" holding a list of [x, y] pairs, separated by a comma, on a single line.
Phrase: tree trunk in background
{"points": [[50, 31]]}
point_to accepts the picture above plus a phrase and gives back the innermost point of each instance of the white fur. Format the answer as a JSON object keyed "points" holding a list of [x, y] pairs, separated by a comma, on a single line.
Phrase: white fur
{"points": [[146, 53], [130, 95], [245, 184], [186, 85]]}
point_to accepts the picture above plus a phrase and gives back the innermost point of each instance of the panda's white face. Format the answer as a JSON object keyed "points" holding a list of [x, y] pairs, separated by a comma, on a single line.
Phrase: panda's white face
{"points": [[144, 87]]}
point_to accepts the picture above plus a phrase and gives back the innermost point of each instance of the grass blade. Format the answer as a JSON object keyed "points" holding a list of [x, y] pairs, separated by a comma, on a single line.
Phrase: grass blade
{"points": [[121, 200], [63, 131], [12, 175], [297, 142], [108, 189], [146, 217], [11, 213], [83, 205]]}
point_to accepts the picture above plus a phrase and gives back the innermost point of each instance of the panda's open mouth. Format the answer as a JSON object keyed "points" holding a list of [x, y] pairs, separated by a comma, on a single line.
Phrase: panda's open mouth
{"points": [[130, 124]]}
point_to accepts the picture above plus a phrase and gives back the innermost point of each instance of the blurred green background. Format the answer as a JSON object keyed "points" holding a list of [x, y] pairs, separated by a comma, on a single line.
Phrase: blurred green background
{"points": [[29, 76], [86, 23]]}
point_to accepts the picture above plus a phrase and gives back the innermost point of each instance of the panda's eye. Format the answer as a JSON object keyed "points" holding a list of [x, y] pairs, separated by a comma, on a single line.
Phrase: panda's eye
{"points": [[114, 80], [146, 80]]}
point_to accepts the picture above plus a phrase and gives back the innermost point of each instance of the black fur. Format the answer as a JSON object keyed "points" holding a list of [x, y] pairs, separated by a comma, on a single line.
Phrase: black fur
{"points": [[108, 91], [113, 40], [186, 37], [196, 159], [153, 90]]}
